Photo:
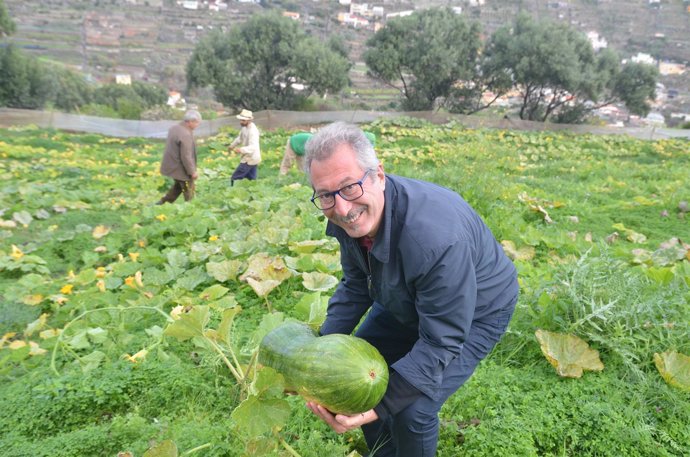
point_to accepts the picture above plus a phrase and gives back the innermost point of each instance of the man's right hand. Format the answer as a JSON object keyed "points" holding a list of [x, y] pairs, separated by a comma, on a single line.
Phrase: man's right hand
{"points": [[194, 176]]}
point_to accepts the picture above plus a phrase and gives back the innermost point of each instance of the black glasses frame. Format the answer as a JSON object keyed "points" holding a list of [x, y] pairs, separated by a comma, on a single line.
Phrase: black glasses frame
{"points": [[316, 199]]}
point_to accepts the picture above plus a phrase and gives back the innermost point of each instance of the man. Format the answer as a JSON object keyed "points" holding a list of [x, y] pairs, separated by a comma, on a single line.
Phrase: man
{"points": [[179, 159], [294, 150], [438, 287], [249, 148]]}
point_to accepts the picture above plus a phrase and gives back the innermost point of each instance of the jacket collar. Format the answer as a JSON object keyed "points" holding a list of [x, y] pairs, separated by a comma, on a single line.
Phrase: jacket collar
{"points": [[382, 242]]}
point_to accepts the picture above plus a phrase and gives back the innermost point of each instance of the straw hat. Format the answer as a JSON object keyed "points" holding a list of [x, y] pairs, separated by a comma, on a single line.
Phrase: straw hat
{"points": [[245, 115]]}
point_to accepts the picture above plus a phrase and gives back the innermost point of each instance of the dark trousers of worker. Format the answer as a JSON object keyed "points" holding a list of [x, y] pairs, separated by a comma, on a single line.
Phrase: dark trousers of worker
{"points": [[244, 171], [178, 187], [413, 432]]}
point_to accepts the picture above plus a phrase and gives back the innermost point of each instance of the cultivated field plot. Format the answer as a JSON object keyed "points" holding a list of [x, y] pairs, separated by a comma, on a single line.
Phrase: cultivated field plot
{"points": [[132, 329]]}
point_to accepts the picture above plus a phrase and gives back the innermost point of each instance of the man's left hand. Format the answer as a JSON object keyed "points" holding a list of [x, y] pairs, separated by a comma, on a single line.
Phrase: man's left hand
{"points": [[341, 423]]}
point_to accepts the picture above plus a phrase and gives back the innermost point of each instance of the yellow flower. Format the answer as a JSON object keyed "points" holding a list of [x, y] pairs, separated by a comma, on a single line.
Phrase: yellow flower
{"points": [[101, 285], [66, 289], [100, 272], [134, 256], [142, 243], [213, 238], [137, 279], [161, 217], [176, 311], [16, 253], [70, 274], [129, 280], [141, 355]]}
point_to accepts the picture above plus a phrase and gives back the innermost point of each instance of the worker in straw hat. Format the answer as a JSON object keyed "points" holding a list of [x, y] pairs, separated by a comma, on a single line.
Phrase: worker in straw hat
{"points": [[247, 145]]}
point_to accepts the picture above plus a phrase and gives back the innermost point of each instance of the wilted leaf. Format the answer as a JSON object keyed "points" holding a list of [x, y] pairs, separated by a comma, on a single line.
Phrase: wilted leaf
{"points": [[36, 325], [319, 282], [568, 354], [166, 448], [524, 253], [32, 300], [256, 416], [100, 231], [23, 217], [262, 267], [674, 367], [263, 288], [189, 324]]}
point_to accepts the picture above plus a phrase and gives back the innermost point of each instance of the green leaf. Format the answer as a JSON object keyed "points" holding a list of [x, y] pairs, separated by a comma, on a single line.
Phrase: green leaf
{"points": [[263, 288], [189, 325], [166, 448], [269, 383], [256, 416], [224, 271], [92, 361], [214, 292], [23, 217], [192, 278], [225, 326], [317, 281], [311, 308]]}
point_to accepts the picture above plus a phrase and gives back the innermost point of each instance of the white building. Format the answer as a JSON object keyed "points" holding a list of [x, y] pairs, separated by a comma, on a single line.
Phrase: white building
{"points": [[598, 42]]}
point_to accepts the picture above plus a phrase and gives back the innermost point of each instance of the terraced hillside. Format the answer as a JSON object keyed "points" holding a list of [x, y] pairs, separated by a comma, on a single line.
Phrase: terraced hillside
{"points": [[152, 39]]}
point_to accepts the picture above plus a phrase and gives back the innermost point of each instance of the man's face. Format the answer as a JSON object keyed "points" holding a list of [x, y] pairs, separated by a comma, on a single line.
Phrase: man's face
{"points": [[360, 217], [244, 123], [193, 124]]}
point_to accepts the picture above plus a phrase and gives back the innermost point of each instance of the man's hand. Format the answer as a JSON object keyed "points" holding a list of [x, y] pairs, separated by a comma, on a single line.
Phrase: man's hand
{"points": [[341, 423], [195, 176]]}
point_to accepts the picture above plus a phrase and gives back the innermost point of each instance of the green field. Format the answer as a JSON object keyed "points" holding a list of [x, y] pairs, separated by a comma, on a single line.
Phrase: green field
{"points": [[128, 326]]}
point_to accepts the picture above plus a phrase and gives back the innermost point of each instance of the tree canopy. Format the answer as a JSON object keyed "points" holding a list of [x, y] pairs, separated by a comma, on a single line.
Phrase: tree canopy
{"points": [[7, 25], [266, 62], [559, 75], [427, 54]]}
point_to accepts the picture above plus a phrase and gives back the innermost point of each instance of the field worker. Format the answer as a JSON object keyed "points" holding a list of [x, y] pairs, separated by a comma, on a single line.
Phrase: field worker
{"points": [[179, 158], [438, 287], [247, 145], [294, 150]]}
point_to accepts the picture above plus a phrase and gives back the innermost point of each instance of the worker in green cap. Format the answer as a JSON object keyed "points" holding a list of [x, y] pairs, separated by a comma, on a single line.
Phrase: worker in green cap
{"points": [[294, 150]]}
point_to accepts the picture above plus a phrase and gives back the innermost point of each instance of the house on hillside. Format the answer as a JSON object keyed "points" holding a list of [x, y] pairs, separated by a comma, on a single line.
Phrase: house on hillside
{"points": [[124, 79], [292, 15], [671, 68], [598, 42], [353, 20]]}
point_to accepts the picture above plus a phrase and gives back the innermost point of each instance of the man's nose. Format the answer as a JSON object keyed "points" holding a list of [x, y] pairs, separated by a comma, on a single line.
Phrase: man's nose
{"points": [[342, 206]]}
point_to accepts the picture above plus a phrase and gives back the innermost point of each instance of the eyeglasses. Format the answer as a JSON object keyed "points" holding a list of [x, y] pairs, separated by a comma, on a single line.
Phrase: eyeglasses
{"points": [[349, 193]]}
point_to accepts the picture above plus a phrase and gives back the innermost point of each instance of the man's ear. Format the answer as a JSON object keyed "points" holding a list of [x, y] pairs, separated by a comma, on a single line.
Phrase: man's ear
{"points": [[381, 175]]}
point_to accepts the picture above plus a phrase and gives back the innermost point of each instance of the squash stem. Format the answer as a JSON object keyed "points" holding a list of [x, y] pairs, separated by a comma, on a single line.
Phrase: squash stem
{"points": [[235, 373], [288, 447]]}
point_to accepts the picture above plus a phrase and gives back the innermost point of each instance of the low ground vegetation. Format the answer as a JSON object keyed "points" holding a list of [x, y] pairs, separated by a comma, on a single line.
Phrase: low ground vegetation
{"points": [[127, 326]]}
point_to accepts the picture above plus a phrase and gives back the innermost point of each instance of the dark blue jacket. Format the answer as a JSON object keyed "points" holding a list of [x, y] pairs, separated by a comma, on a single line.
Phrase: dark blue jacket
{"points": [[434, 265]]}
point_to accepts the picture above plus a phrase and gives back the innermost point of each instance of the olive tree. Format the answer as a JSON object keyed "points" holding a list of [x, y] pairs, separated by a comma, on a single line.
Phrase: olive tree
{"points": [[425, 55], [266, 62]]}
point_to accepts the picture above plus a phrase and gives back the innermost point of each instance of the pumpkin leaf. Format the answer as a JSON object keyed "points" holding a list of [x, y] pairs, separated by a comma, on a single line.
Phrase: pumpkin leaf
{"points": [[524, 253], [256, 416], [224, 271], [189, 325], [225, 326], [568, 354], [674, 367], [166, 448], [263, 288], [100, 231], [262, 267], [319, 282]]}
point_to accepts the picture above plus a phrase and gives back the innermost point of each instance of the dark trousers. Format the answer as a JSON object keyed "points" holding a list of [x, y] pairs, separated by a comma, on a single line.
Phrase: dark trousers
{"points": [[413, 432], [179, 187], [244, 171]]}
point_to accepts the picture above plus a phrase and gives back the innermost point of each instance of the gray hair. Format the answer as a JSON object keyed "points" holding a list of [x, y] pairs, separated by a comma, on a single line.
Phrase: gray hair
{"points": [[192, 115], [323, 144]]}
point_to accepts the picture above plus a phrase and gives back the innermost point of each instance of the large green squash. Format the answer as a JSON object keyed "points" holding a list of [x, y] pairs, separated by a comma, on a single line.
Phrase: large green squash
{"points": [[343, 373]]}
